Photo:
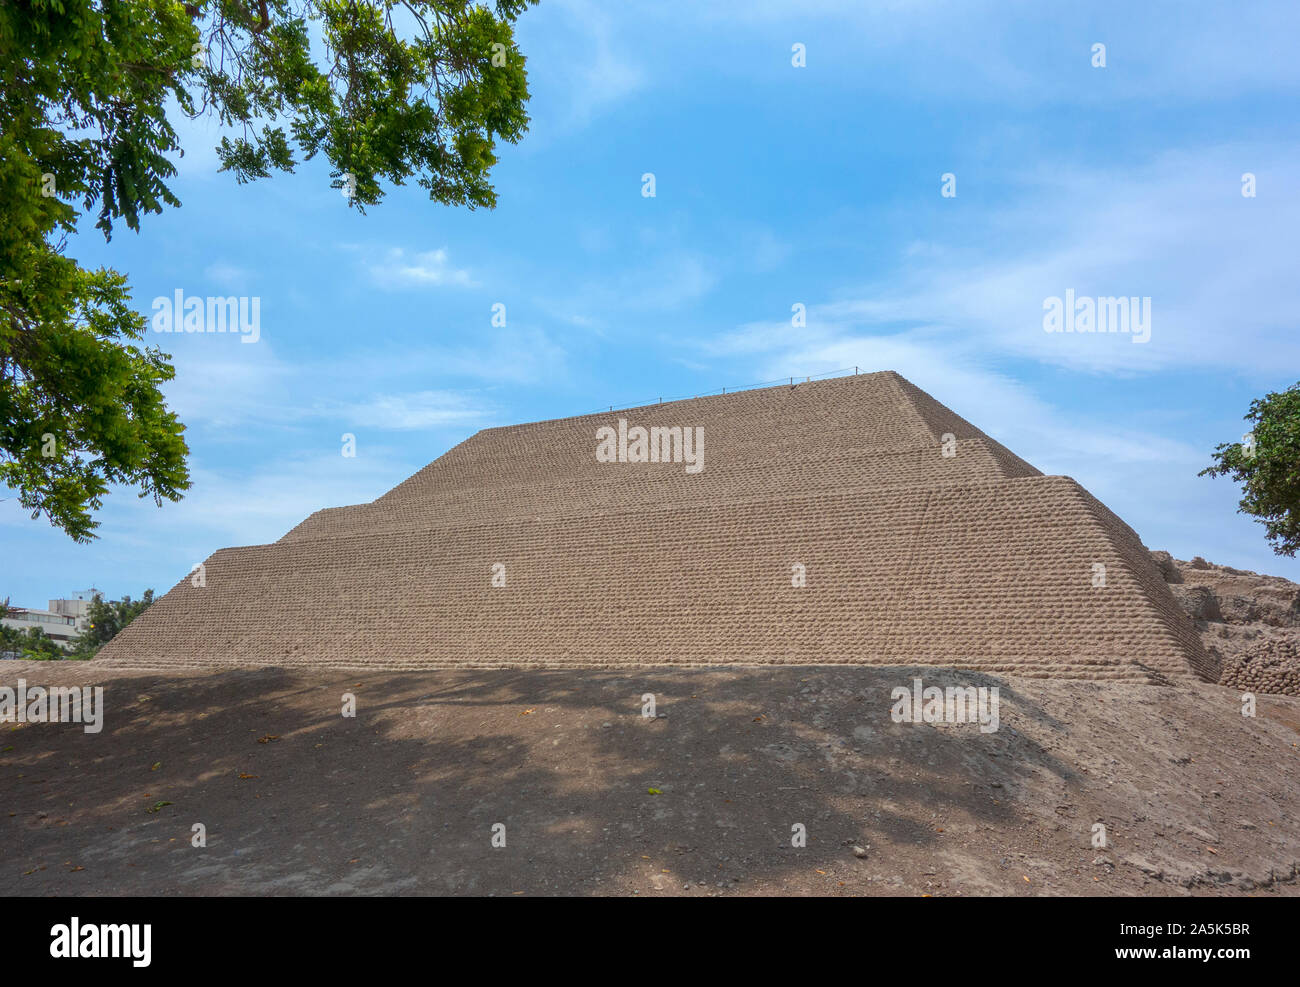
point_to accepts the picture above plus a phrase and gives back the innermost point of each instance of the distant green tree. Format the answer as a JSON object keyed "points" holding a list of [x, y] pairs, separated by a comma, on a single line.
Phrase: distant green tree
{"points": [[8, 635], [107, 618], [1267, 464], [32, 644]]}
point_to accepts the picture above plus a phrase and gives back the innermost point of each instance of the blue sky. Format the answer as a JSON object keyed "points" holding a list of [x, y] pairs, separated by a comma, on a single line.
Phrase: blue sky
{"points": [[775, 185]]}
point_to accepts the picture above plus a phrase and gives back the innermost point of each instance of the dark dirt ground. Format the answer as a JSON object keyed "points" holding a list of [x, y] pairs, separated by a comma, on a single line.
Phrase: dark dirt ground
{"points": [[1197, 799]]}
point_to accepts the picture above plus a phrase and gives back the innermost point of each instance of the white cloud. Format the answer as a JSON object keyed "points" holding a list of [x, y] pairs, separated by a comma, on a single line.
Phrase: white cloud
{"points": [[397, 268], [424, 409], [1218, 267], [225, 274]]}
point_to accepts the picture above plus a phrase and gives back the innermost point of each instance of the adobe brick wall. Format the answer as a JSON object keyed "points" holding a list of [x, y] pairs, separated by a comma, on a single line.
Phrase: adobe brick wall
{"points": [[973, 561]]}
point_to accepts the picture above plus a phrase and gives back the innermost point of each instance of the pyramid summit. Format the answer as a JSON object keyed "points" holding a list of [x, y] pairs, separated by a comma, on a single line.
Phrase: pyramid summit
{"points": [[854, 520]]}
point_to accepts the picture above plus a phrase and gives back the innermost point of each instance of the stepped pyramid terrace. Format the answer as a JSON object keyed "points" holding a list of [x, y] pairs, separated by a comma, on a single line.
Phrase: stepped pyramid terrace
{"points": [[854, 520]]}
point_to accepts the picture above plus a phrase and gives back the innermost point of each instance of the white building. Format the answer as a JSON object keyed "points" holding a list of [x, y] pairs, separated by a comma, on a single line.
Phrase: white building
{"points": [[63, 621], [76, 606]]}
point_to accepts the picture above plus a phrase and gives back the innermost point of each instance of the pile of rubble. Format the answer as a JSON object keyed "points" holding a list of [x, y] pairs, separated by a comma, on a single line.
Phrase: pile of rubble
{"points": [[1269, 666], [1248, 621]]}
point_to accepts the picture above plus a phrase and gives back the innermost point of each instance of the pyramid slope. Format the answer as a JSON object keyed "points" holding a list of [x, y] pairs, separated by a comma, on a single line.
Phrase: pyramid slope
{"points": [[611, 487], [876, 412], [972, 560], [860, 432]]}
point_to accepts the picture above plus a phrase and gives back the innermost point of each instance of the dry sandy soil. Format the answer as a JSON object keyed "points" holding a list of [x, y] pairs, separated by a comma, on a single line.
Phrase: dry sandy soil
{"points": [[1196, 798]]}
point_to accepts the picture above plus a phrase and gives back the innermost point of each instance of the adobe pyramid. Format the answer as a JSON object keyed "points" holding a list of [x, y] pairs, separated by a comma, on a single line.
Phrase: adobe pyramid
{"points": [[909, 556]]}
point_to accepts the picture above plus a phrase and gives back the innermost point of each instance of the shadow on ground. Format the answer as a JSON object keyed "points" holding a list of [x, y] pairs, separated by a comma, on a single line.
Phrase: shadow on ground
{"points": [[594, 797]]}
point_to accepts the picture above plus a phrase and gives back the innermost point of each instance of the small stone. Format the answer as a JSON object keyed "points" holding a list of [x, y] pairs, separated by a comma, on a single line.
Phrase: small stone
{"points": [[860, 851]]}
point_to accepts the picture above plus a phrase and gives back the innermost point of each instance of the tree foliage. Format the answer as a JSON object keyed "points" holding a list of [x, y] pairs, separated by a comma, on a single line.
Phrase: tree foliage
{"points": [[32, 644], [89, 90], [1267, 464], [108, 618]]}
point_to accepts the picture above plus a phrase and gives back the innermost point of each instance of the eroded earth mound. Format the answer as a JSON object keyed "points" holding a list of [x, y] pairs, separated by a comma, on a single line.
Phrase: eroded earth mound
{"points": [[1248, 622]]}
